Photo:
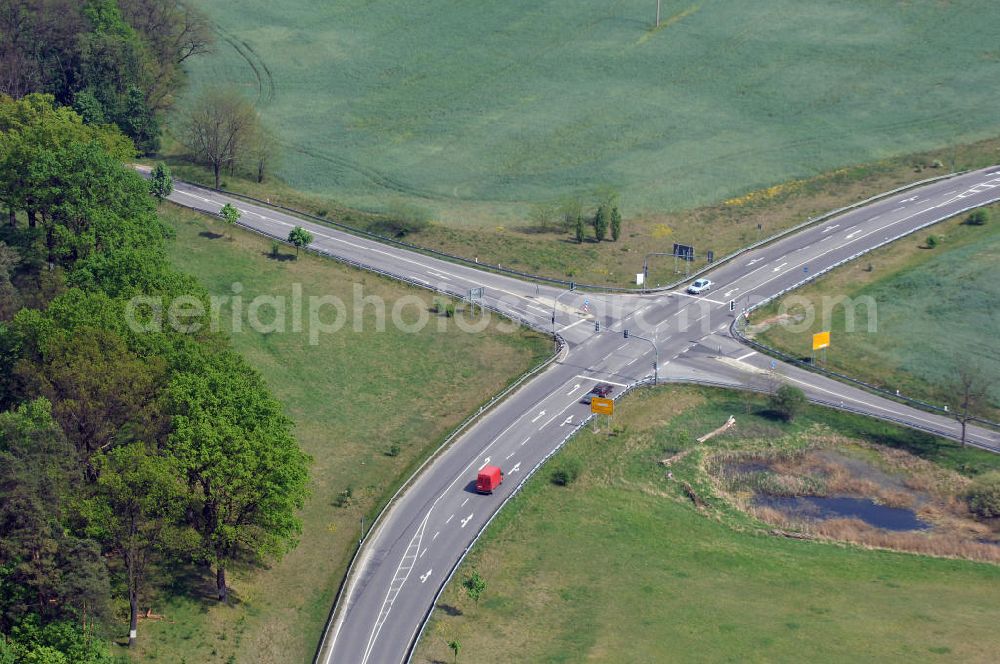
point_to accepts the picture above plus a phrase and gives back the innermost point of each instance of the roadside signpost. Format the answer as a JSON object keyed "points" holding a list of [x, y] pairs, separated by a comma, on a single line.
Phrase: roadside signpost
{"points": [[821, 341], [602, 406], [476, 296]]}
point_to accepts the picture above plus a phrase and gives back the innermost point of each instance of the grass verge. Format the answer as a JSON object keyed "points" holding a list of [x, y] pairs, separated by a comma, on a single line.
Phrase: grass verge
{"points": [[368, 406], [722, 228], [623, 566], [930, 311]]}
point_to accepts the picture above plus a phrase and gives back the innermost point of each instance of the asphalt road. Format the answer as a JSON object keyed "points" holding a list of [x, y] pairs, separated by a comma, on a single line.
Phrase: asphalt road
{"points": [[416, 544]]}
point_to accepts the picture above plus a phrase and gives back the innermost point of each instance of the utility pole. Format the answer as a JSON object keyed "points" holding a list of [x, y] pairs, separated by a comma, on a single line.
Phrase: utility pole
{"points": [[657, 13], [572, 287]]}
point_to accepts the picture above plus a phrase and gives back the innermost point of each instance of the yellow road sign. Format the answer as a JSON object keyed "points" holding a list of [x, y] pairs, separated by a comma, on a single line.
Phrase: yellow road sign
{"points": [[821, 340], [602, 406]]}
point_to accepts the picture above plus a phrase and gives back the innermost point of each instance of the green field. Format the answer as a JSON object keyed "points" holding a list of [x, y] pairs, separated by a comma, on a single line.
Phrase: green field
{"points": [[935, 309], [352, 397], [622, 567], [473, 109]]}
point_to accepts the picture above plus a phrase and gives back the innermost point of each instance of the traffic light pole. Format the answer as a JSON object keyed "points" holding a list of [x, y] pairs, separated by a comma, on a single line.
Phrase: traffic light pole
{"points": [[572, 288], [656, 351]]}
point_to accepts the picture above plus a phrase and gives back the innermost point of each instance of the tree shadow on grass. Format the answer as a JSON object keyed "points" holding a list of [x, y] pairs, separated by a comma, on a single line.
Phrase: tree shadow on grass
{"points": [[450, 610], [210, 235], [280, 258]]}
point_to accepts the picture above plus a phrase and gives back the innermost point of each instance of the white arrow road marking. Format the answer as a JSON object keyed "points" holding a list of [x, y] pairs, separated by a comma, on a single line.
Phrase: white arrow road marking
{"points": [[779, 267], [466, 520], [486, 462], [850, 235], [425, 576], [907, 200], [538, 417], [567, 421], [575, 388], [830, 228], [729, 292], [754, 261], [517, 467]]}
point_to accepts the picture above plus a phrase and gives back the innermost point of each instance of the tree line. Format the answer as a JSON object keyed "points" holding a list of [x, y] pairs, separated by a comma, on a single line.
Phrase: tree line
{"points": [[128, 458], [113, 61], [571, 216]]}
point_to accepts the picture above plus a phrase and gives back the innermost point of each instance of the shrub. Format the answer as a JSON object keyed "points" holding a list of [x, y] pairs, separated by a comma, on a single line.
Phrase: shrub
{"points": [[788, 402], [932, 241], [983, 497], [977, 218], [403, 219], [566, 472]]}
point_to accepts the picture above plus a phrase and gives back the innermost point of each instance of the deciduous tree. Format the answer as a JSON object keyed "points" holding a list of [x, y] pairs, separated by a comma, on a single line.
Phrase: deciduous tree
{"points": [[247, 474], [161, 184], [300, 237], [137, 498], [217, 127]]}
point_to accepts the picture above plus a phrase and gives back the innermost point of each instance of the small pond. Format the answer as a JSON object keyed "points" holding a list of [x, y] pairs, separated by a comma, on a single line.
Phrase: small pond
{"points": [[822, 508]]}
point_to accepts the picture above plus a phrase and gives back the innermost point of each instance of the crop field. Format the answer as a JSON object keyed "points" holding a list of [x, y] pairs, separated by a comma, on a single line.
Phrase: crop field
{"points": [[475, 109], [623, 566], [934, 311], [367, 406]]}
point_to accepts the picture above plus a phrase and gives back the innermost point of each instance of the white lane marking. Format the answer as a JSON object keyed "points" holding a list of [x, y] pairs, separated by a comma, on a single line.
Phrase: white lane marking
{"points": [[423, 552], [740, 359], [398, 581], [620, 347], [572, 325], [632, 362], [780, 266], [568, 420], [464, 501], [700, 298], [901, 207], [507, 459], [466, 520], [439, 276], [486, 462], [549, 421], [601, 380], [870, 405], [575, 388], [426, 575], [525, 440], [435, 535], [448, 520], [820, 255], [538, 417], [830, 228]]}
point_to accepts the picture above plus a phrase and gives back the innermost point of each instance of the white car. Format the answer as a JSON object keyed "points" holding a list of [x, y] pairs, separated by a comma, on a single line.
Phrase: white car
{"points": [[699, 286]]}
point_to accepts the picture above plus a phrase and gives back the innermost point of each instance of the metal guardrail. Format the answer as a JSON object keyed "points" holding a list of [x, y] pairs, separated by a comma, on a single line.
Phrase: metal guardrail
{"points": [[737, 330], [411, 648], [499, 269]]}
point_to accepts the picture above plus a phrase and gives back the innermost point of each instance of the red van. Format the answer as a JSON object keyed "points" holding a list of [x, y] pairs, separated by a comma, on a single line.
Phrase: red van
{"points": [[489, 479]]}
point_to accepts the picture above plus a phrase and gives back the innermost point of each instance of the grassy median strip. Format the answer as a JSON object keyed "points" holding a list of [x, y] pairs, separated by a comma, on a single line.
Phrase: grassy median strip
{"points": [[368, 405], [627, 564], [919, 310]]}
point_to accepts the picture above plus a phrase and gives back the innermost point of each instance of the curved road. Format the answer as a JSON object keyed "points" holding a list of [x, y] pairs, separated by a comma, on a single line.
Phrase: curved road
{"points": [[417, 543]]}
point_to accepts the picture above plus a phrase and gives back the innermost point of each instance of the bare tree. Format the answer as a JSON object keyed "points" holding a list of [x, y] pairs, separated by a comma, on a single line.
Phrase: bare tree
{"points": [[217, 127], [970, 389], [260, 154], [174, 31]]}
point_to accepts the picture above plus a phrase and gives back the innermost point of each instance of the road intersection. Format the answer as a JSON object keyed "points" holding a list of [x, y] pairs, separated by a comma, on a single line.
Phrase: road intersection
{"points": [[425, 532]]}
